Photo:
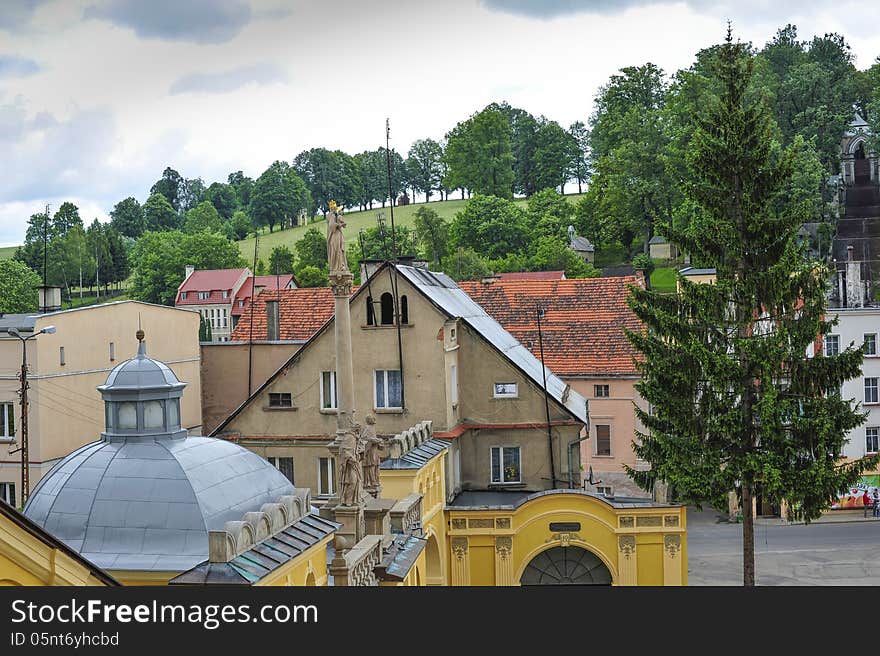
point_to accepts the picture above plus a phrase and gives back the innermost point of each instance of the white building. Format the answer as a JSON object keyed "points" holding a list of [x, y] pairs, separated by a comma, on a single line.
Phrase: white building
{"points": [[860, 326]]}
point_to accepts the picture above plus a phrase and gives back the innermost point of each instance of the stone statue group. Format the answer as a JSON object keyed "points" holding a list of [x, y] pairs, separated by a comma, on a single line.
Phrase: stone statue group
{"points": [[359, 456]]}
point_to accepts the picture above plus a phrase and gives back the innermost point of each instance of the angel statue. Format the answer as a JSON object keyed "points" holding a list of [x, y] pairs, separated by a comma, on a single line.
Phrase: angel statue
{"points": [[336, 240]]}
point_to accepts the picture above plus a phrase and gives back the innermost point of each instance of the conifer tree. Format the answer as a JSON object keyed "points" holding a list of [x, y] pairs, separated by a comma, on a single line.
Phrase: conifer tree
{"points": [[737, 404]]}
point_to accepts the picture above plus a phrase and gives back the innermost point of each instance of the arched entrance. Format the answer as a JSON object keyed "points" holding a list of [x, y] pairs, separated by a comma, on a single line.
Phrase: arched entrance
{"points": [[566, 566], [434, 575]]}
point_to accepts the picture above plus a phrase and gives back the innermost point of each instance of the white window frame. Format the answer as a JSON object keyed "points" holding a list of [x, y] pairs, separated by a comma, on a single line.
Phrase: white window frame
{"points": [[224, 318], [504, 394], [825, 341], [869, 438], [328, 462], [204, 296], [596, 453], [5, 488], [603, 386], [605, 490], [501, 448], [275, 462], [875, 387], [225, 293], [385, 377], [874, 335], [334, 401], [9, 412], [182, 296]]}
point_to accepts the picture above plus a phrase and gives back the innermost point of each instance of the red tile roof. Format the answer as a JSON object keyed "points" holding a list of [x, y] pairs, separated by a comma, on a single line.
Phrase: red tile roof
{"points": [[582, 326], [301, 312], [214, 281], [272, 283], [533, 275]]}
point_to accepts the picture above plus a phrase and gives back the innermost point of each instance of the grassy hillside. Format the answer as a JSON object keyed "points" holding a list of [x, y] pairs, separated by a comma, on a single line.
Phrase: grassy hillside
{"points": [[355, 221], [7, 251]]}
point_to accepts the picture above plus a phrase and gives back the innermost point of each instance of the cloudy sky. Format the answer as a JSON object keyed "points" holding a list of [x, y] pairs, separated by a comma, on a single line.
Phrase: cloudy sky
{"points": [[97, 97]]}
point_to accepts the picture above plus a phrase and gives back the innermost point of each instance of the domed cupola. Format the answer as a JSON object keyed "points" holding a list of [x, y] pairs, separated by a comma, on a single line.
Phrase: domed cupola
{"points": [[145, 496], [142, 399]]}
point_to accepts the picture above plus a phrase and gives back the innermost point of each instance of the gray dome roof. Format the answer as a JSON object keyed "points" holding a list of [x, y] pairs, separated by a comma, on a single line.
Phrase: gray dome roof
{"points": [[141, 373], [148, 505]]}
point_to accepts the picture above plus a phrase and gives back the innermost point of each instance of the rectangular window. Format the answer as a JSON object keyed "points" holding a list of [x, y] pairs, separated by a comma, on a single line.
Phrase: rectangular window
{"points": [[326, 476], [603, 440], [453, 383], [203, 296], [605, 490], [505, 464], [831, 345], [871, 344], [7, 493], [280, 400], [505, 391], [388, 389], [241, 304], [7, 421], [328, 390], [112, 351], [872, 439], [601, 391], [284, 465], [225, 294], [182, 296], [871, 395], [61, 355], [224, 319]]}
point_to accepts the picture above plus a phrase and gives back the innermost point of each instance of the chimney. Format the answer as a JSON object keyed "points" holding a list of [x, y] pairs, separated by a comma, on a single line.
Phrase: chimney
{"points": [[189, 271], [855, 294], [489, 280], [49, 298], [272, 322]]}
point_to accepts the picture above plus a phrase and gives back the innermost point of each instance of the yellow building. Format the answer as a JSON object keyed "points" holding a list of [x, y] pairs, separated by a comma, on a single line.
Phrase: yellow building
{"points": [[65, 367], [31, 556]]}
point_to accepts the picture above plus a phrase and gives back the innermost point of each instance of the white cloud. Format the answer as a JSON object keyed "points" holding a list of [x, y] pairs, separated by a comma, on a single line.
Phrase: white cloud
{"points": [[98, 121]]}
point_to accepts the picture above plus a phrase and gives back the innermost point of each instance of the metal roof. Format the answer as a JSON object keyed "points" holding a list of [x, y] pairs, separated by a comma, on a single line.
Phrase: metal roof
{"points": [[20, 321], [149, 505], [416, 458], [582, 244], [263, 558], [657, 239], [400, 557], [452, 300], [141, 373], [692, 271]]}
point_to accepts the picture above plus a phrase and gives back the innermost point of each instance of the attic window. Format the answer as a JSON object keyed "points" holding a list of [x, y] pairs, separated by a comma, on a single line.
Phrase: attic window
{"points": [[280, 400], [371, 314], [182, 296], [225, 293], [203, 296], [404, 310], [387, 303]]}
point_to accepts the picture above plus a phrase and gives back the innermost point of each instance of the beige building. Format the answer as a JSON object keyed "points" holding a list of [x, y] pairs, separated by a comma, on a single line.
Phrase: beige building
{"points": [[65, 367], [447, 362], [584, 343], [660, 249]]}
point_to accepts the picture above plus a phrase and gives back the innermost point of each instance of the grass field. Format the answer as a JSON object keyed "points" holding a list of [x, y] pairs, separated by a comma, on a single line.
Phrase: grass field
{"points": [[355, 221], [663, 279], [7, 251]]}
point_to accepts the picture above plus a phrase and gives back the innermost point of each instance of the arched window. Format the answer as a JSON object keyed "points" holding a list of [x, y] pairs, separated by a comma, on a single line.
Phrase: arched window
{"points": [[387, 303], [404, 310], [371, 315]]}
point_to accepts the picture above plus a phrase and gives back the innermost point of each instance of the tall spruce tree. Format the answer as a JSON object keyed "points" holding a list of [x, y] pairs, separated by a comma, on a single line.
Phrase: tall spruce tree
{"points": [[737, 404]]}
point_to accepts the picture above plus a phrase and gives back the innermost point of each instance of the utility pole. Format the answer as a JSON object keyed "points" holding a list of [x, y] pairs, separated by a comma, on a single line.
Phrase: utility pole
{"points": [[540, 313], [390, 192], [25, 461]]}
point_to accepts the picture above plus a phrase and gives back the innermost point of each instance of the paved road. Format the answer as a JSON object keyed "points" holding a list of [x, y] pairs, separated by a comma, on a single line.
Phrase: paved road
{"points": [[819, 554]]}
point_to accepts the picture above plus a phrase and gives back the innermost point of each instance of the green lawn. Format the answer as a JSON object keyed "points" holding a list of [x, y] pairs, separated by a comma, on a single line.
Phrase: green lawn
{"points": [[7, 252], [663, 279], [355, 221]]}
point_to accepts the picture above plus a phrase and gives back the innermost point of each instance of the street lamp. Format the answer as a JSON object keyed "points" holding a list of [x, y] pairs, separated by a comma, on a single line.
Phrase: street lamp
{"points": [[25, 474]]}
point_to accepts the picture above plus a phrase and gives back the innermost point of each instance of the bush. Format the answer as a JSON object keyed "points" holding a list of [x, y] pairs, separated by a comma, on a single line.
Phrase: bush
{"points": [[645, 262]]}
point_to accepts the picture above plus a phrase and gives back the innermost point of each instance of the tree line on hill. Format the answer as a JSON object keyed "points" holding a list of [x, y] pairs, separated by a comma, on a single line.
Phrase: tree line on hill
{"points": [[631, 156]]}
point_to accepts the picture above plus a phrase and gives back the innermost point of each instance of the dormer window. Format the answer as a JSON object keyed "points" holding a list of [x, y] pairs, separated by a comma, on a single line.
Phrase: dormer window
{"points": [[225, 293], [182, 296], [204, 296]]}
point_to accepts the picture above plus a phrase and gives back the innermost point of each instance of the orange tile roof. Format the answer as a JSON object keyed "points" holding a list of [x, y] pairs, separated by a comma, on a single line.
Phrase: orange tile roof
{"points": [[302, 312], [532, 275], [582, 326]]}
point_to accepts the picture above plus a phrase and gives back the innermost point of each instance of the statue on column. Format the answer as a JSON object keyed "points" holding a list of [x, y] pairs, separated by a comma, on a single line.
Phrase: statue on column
{"points": [[336, 257], [373, 448], [350, 469]]}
